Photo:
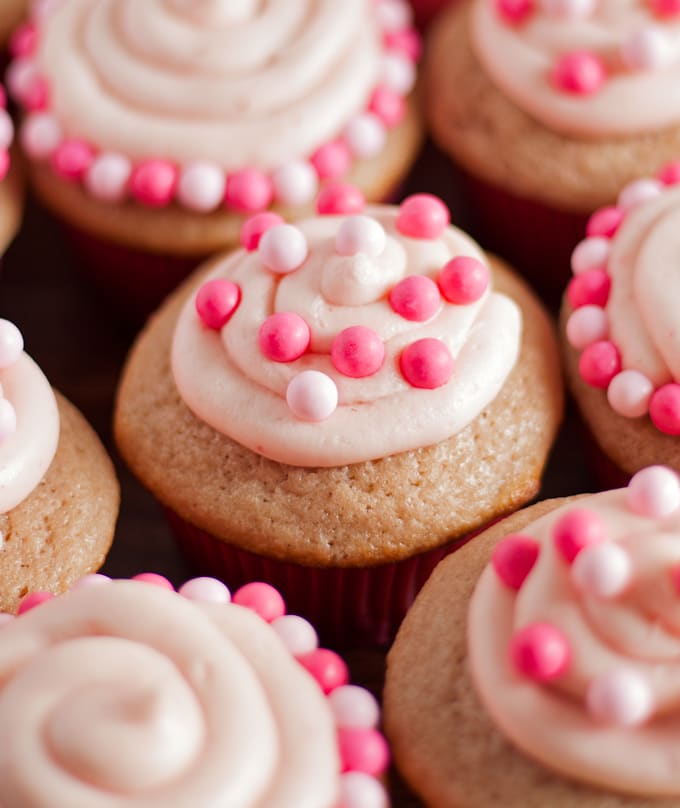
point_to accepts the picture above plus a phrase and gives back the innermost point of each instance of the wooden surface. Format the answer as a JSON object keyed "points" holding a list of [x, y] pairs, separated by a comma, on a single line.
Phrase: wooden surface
{"points": [[81, 344]]}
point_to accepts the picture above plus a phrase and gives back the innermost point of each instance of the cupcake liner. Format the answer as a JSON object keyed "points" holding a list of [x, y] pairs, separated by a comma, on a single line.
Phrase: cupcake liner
{"points": [[355, 606], [134, 281], [536, 239], [426, 10]]}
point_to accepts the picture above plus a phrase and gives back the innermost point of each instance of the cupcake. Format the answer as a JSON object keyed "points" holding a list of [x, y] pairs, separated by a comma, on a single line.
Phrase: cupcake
{"points": [[58, 490], [620, 326], [340, 403], [200, 702], [549, 108], [538, 667], [152, 129], [11, 191]]}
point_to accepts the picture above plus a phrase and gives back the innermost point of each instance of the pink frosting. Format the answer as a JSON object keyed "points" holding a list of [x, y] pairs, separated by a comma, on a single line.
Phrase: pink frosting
{"points": [[577, 660], [437, 371], [27, 451], [590, 69], [196, 704]]}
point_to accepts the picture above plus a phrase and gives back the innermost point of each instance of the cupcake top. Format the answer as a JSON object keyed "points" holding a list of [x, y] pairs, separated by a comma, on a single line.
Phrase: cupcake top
{"points": [[6, 135], [351, 336], [29, 420], [574, 637], [202, 702], [625, 321], [211, 102], [587, 68]]}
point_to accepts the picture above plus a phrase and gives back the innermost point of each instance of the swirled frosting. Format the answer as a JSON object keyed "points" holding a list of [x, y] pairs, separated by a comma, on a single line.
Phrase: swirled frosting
{"points": [[194, 704], [29, 424], [625, 298], [348, 275], [574, 637], [622, 82]]}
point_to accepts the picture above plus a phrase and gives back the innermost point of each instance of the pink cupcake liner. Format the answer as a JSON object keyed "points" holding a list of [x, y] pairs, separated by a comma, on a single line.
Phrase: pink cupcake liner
{"points": [[360, 606], [135, 282], [536, 239]]}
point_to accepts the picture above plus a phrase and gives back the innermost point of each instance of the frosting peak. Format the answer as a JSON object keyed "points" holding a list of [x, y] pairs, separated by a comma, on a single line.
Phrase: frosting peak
{"points": [[346, 338]]}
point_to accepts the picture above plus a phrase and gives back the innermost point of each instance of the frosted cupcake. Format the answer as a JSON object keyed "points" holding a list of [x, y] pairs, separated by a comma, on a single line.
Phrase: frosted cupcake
{"points": [[338, 404], [549, 649], [58, 491], [551, 107], [153, 128], [200, 702], [11, 186], [620, 324]]}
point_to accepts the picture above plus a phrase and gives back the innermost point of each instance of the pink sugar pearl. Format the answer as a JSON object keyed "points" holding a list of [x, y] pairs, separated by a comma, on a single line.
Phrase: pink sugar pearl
{"points": [[540, 651], [329, 669], [4, 163], [620, 698], [638, 192], [654, 492], [577, 529], [312, 396], [11, 343], [360, 234], [426, 363], [363, 750], [591, 253], [332, 160], [248, 191], [603, 570], [513, 559], [599, 364], [629, 393], [261, 598], [6, 129], [580, 73], [666, 8], [340, 198], [422, 216], [216, 301], [33, 600], [587, 325], [205, 590], [416, 298], [359, 790], [154, 579], [72, 158], [514, 11], [354, 707], [670, 173], [283, 248], [605, 222], [254, 228], [664, 409], [284, 337], [297, 634], [153, 183], [406, 41], [357, 352], [388, 105], [463, 280], [8, 419], [589, 288], [24, 40]]}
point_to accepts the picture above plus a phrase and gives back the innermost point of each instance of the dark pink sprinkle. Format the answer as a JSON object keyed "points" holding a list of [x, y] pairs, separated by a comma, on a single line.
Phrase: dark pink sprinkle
{"points": [[216, 301], [261, 598], [72, 158], [153, 183], [415, 298], [155, 580], [599, 363], [33, 600], [24, 40], [670, 173], [389, 106], [514, 11], [577, 529], [357, 352], [540, 652], [340, 198], [329, 669], [254, 228], [664, 409], [580, 73], [589, 288], [4, 163], [422, 216], [426, 363], [37, 96], [363, 750], [605, 222], [406, 41], [666, 8], [332, 160], [249, 191], [463, 280], [284, 337], [513, 559]]}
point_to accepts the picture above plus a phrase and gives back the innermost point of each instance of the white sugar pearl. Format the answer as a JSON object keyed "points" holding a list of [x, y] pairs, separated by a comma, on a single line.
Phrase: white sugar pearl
{"points": [[20, 76], [295, 183], [40, 135], [297, 634], [283, 248], [359, 790], [394, 15], [654, 492], [354, 707], [647, 49], [398, 73], [201, 186], [312, 396], [205, 590], [629, 393], [6, 130], [107, 177], [620, 698], [591, 253], [587, 325], [365, 135], [603, 570], [360, 234], [635, 193]]}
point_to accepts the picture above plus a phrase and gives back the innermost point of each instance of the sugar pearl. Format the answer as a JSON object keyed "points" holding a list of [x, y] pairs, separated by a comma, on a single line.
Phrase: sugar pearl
{"points": [[587, 325], [577, 529], [599, 364], [72, 159], [388, 105], [398, 73], [363, 750], [464, 280], [248, 191], [422, 216], [40, 135], [201, 186], [283, 248], [6, 129], [332, 160], [591, 253], [261, 598], [638, 192], [621, 698], [359, 790], [540, 651], [603, 570], [605, 221], [94, 579], [654, 492], [579, 73], [357, 352], [514, 12], [255, 226], [153, 183], [108, 176], [11, 343], [33, 600], [664, 409], [295, 183], [354, 706], [312, 396], [327, 667], [589, 288], [297, 634], [629, 393], [416, 298], [360, 234], [394, 14], [216, 301], [513, 558], [284, 337], [365, 135], [205, 590], [647, 49], [426, 363], [154, 579], [340, 198]]}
